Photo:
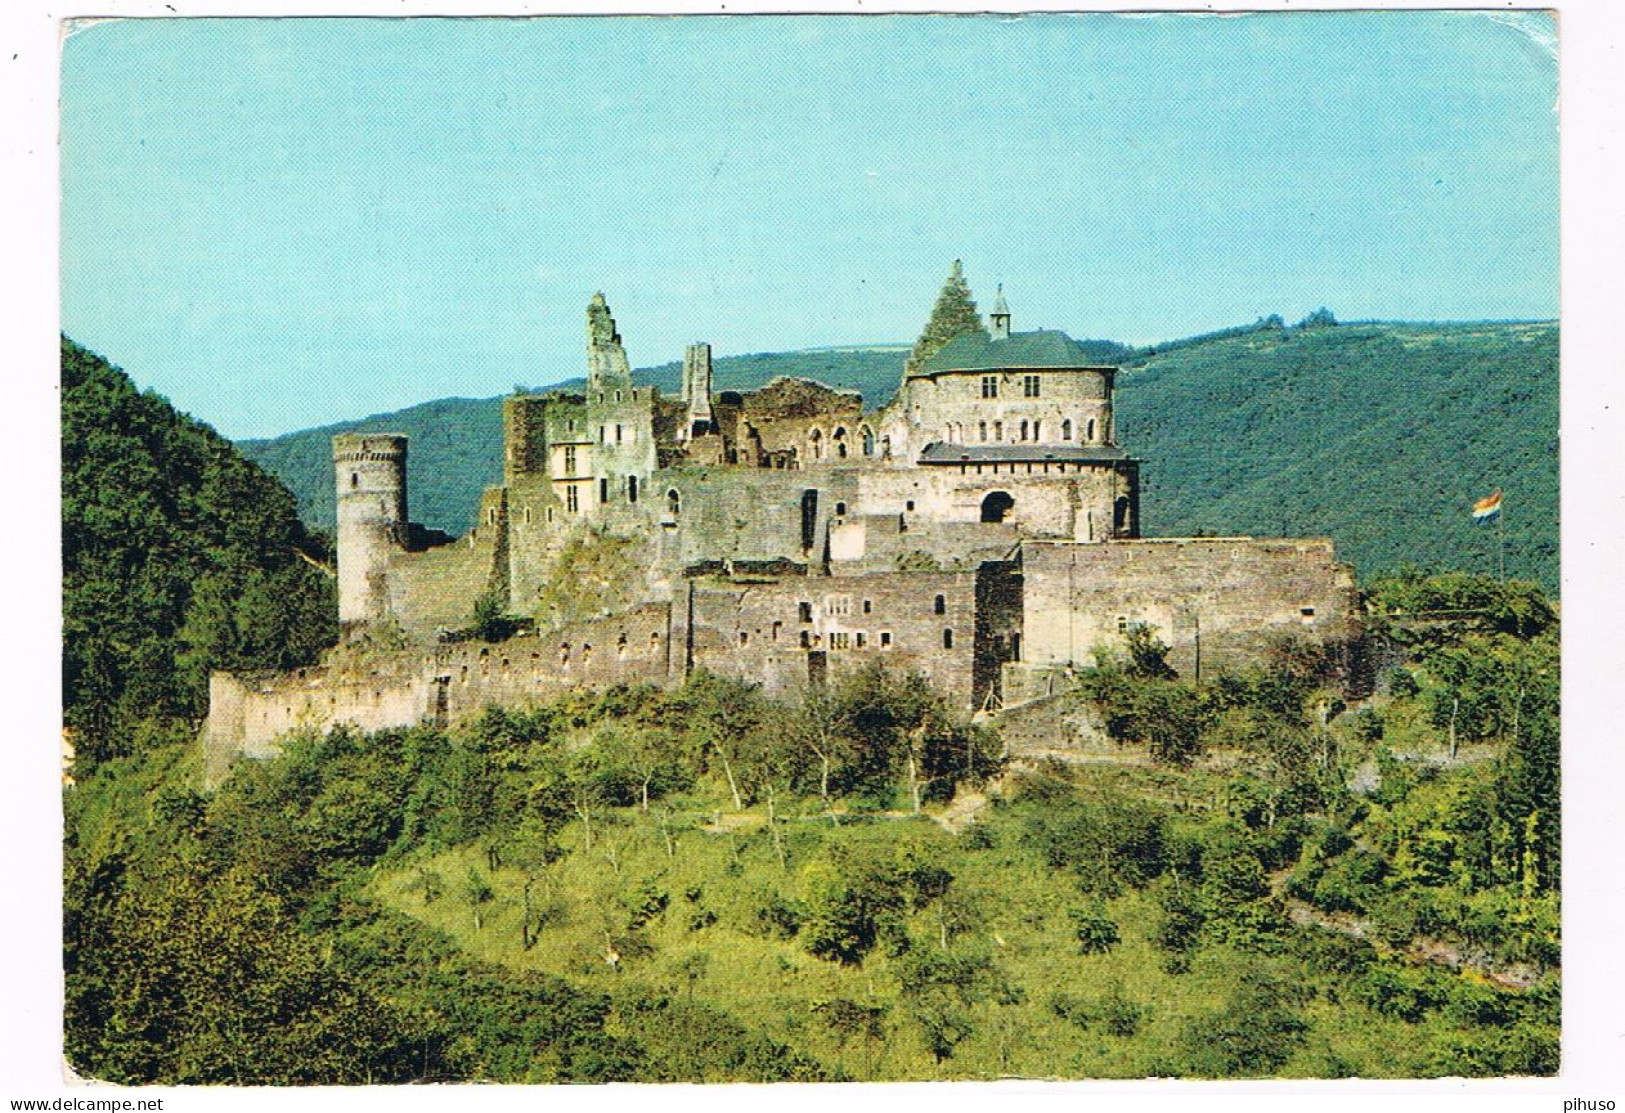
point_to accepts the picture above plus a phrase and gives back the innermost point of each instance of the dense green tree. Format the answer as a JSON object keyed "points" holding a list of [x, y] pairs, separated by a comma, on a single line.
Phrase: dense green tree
{"points": [[952, 316], [178, 557]]}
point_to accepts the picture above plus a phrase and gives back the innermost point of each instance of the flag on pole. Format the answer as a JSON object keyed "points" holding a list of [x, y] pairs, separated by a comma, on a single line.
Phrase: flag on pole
{"points": [[1487, 509]]}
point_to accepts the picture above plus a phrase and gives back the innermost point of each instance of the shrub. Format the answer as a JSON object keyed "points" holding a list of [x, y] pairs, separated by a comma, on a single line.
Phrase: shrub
{"points": [[1096, 932]]}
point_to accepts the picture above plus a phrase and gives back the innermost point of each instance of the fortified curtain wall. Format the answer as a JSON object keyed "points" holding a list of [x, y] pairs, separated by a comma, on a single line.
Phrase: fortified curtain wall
{"points": [[1230, 595], [441, 686], [954, 629]]}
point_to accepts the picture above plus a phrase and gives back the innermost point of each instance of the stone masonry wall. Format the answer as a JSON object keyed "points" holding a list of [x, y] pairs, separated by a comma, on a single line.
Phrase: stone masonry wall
{"points": [[443, 684], [1236, 592]]}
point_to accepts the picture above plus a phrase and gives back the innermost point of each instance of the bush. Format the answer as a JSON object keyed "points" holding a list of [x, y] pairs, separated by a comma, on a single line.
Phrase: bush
{"points": [[1254, 1034], [1399, 992], [1096, 932], [1119, 1015]]}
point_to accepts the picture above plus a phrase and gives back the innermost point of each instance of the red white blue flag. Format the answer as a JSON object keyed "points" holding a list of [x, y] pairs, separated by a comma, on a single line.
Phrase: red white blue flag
{"points": [[1488, 509]]}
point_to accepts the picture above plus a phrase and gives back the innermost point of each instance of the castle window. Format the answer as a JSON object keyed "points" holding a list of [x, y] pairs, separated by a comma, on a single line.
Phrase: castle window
{"points": [[1307, 614], [674, 503], [654, 642], [990, 386], [1023, 430], [744, 639], [1066, 429], [885, 639], [998, 430], [861, 639], [840, 509], [569, 459], [1029, 386], [806, 640], [909, 505], [617, 434], [777, 626], [491, 516], [805, 609], [868, 441], [572, 501], [981, 430], [617, 396], [868, 605], [527, 515], [603, 489], [550, 514], [603, 434], [941, 605], [1122, 624], [1089, 431], [1037, 435], [355, 479], [948, 638], [631, 488]]}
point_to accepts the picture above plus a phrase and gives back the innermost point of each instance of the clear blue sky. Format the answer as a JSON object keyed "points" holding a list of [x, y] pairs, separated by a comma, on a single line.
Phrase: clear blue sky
{"points": [[282, 223]]}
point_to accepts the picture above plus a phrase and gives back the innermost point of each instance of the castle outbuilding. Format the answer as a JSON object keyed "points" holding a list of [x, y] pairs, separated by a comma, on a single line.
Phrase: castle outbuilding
{"points": [[982, 528]]}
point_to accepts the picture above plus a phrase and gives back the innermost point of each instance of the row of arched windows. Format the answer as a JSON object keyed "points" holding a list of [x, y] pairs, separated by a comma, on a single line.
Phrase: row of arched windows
{"points": [[1027, 432], [839, 447], [621, 648]]}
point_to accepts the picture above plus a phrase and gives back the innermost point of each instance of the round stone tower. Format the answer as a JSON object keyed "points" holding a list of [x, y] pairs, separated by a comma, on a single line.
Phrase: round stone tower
{"points": [[369, 470]]}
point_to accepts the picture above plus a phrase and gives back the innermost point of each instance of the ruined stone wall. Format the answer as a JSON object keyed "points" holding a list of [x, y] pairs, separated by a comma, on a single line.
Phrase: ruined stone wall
{"points": [[524, 435], [753, 515], [1236, 592], [442, 684], [620, 419], [436, 589], [788, 631], [894, 542]]}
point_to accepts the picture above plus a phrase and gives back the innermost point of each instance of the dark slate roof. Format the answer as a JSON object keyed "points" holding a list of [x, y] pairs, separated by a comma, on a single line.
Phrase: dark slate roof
{"points": [[941, 452], [978, 352]]}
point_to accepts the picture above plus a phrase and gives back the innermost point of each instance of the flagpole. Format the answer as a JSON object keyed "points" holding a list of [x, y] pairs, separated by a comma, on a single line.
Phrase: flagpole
{"points": [[1500, 543]]}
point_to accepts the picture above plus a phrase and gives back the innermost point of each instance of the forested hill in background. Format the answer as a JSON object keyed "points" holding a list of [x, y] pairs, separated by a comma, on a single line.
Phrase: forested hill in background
{"points": [[178, 557], [1378, 435]]}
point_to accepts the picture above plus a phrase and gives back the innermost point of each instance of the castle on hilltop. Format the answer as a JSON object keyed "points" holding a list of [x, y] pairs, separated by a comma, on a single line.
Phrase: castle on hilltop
{"points": [[982, 529]]}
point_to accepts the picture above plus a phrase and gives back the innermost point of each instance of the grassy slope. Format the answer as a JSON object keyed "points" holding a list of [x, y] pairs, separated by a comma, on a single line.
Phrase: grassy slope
{"points": [[1378, 435], [772, 985]]}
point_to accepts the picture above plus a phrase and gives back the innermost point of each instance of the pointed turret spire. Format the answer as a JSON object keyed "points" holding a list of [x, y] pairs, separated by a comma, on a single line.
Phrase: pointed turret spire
{"points": [[1000, 316]]}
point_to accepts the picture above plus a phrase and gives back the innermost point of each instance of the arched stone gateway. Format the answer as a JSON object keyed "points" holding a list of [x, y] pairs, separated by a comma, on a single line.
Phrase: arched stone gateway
{"points": [[997, 506]]}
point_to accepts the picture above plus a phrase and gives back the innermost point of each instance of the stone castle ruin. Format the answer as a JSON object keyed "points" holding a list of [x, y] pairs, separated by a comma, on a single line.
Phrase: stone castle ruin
{"points": [[982, 529]]}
